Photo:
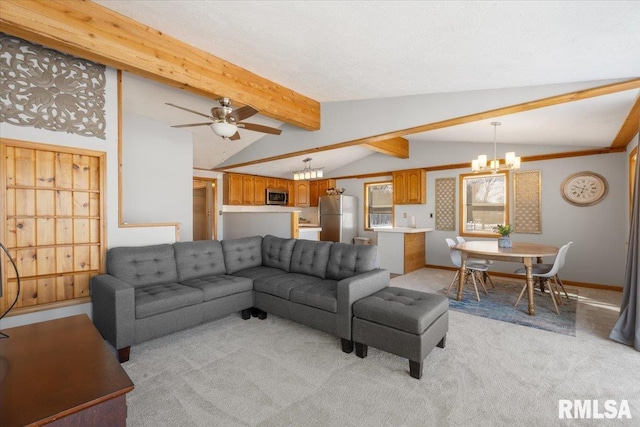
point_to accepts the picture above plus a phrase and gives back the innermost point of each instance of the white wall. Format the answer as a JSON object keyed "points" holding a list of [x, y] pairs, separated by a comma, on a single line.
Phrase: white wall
{"points": [[599, 232], [158, 180], [115, 236]]}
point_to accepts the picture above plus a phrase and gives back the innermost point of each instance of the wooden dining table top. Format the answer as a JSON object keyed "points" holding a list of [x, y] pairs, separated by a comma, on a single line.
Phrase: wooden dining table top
{"points": [[518, 250]]}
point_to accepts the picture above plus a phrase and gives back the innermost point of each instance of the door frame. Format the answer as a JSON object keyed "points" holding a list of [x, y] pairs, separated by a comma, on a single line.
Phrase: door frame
{"points": [[211, 194]]}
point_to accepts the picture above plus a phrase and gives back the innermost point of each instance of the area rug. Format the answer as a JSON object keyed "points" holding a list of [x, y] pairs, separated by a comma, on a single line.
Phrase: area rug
{"points": [[498, 305]]}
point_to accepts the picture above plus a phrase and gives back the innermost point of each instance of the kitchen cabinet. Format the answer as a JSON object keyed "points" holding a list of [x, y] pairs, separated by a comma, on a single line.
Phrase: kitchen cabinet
{"points": [[301, 192], [402, 250], [409, 187], [232, 189], [291, 188], [248, 196], [259, 185], [319, 188]]}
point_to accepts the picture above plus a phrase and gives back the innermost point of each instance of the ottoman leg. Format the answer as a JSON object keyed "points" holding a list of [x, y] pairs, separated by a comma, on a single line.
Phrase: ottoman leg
{"points": [[361, 350], [347, 346], [262, 315], [246, 314], [443, 341], [254, 312], [415, 369]]}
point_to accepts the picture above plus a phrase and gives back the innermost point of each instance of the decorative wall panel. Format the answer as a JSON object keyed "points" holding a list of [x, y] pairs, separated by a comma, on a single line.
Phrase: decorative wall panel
{"points": [[47, 89], [527, 188], [446, 204]]}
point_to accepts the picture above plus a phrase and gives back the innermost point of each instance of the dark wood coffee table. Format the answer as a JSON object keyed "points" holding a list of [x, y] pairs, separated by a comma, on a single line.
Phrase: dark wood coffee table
{"points": [[61, 372]]}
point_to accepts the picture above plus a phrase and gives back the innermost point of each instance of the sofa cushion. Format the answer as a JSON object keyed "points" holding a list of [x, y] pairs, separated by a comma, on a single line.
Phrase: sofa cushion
{"points": [[240, 254], [143, 265], [282, 285], [347, 260], [199, 259], [254, 273], [276, 252], [322, 295], [157, 299], [310, 257], [215, 287]]}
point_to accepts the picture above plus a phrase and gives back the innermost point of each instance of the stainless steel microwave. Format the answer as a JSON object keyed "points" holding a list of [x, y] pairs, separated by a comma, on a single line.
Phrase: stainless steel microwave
{"points": [[276, 196]]}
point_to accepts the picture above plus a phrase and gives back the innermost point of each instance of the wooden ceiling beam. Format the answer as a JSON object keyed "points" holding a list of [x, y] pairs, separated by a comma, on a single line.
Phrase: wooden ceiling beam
{"points": [[94, 32], [502, 111], [396, 147], [629, 128]]}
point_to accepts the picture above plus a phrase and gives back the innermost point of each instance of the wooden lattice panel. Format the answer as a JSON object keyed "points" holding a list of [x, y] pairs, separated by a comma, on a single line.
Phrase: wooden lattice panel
{"points": [[446, 204], [527, 188], [53, 222]]}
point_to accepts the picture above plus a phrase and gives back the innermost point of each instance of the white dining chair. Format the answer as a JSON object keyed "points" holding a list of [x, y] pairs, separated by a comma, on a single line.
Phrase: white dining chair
{"points": [[488, 262], [549, 276], [472, 269]]}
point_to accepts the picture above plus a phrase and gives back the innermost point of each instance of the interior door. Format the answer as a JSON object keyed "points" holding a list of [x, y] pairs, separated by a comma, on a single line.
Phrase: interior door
{"points": [[204, 209]]}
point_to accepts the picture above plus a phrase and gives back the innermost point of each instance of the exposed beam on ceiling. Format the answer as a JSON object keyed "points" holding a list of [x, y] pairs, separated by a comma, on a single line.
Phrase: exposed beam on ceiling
{"points": [[91, 31], [498, 112], [630, 126], [396, 147]]}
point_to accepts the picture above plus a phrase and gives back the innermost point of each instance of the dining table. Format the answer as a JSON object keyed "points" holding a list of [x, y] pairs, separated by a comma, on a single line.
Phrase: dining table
{"points": [[520, 252]]}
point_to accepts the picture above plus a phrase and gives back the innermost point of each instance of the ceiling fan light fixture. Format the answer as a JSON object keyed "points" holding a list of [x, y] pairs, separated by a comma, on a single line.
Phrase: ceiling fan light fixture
{"points": [[224, 129]]}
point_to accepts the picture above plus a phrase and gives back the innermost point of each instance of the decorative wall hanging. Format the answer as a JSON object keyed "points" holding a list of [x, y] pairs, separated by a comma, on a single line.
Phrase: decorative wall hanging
{"points": [[446, 204], [527, 188], [47, 89]]}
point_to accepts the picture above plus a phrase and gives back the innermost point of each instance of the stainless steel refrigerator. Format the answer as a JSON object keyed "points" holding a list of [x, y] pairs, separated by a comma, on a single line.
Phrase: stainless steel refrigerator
{"points": [[338, 218]]}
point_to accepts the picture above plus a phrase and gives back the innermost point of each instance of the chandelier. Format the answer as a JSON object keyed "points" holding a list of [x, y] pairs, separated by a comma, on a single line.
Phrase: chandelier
{"points": [[307, 172], [510, 159]]}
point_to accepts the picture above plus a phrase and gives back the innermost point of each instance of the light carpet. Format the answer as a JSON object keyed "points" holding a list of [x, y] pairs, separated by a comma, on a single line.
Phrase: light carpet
{"points": [[275, 372]]}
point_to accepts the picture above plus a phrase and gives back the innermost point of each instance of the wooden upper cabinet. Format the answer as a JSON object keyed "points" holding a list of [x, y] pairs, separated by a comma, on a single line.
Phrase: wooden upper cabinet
{"points": [[259, 185], [324, 185], [232, 189], [248, 184], [409, 187], [313, 193], [291, 189], [301, 193], [272, 183]]}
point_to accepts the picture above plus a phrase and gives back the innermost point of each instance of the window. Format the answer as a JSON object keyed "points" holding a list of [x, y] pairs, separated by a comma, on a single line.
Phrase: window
{"points": [[378, 204], [483, 203]]}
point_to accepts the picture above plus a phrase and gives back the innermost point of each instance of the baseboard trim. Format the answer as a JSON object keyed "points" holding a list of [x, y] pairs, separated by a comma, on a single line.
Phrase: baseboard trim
{"points": [[517, 276]]}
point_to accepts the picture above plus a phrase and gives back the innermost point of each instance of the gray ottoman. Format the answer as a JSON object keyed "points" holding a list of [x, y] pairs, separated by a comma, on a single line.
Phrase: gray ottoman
{"points": [[403, 322]]}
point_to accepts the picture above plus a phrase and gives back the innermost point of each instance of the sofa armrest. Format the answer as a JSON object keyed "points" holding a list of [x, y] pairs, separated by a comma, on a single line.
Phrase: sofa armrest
{"points": [[113, 310], [353, 289]]}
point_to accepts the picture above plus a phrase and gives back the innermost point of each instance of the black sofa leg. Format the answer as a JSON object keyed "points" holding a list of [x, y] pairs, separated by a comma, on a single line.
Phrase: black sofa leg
{"points": [[443, 341], [347, 345], [262, 315], [361, 350], [255, 311], [415, 369], [123, 354], [246, 314]]}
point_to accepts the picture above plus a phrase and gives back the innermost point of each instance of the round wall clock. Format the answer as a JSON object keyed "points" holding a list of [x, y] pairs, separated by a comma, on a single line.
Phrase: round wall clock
{"points": [[584, 188]]}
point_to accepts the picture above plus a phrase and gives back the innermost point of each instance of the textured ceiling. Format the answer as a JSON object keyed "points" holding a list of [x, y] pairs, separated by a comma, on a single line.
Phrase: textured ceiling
{"points": [[350, 50]]}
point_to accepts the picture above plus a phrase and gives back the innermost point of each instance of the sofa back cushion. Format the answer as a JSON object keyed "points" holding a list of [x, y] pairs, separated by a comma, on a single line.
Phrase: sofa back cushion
{"points": [[199, 259], [243, 253], [143, 265], [310, 257], [347, 260], [277, 252]]}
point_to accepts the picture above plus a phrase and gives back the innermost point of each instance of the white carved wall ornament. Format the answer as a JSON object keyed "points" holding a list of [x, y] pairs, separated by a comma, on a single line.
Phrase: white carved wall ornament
{"points": [[47, 89]]}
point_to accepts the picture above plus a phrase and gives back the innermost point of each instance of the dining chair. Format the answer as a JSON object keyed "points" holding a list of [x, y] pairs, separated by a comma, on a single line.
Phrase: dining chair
{"points": [[488, 262], [472, 269], [549, 277], [541, 268]]}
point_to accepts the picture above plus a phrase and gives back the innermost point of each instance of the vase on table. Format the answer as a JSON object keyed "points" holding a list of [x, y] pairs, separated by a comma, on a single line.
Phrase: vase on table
{"points": [[504, 242]]}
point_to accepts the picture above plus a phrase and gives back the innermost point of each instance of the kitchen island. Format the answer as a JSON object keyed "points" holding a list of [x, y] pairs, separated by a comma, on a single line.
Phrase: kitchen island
{"points": [[402, 249]]}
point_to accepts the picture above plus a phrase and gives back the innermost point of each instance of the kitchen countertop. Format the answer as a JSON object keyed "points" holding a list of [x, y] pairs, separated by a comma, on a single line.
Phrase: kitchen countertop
{"points": [[309, 228], [402, 230], [252, 209]]}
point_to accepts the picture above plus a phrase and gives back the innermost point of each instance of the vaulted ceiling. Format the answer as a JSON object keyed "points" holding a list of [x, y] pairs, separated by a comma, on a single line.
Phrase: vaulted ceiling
{"points": [[370, 59]]}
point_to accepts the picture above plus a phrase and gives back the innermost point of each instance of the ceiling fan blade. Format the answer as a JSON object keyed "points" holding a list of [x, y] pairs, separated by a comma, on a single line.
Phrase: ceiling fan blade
{"points": [[191, 111], [259, 128], [235, 136], [242, 113], [191, 124]]}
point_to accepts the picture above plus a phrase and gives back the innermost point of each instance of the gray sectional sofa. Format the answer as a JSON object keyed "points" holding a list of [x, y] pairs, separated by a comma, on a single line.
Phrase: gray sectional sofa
{"points": [[151, 291]]}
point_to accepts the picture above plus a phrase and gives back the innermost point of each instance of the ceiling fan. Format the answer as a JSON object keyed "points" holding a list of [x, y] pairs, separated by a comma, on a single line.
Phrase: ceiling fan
{"points": [[225, 121]]}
